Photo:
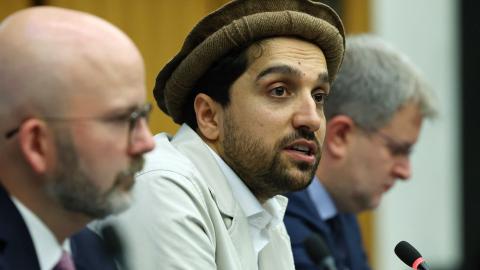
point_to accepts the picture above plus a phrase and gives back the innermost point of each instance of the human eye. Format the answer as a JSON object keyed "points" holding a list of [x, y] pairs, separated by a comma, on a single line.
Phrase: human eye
{"points": [[401, 150], [406, 150], [279, 91], [319, 97]]}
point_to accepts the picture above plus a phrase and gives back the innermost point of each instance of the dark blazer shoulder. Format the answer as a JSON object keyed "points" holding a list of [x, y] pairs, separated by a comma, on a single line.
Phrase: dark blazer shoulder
{"points": [[16, 245], [301, 205], [89, 252], [302, 220], [353, 235]]}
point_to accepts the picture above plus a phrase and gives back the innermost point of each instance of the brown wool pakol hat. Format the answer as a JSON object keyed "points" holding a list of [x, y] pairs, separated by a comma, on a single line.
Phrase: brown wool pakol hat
{"points": [[239, 23]]}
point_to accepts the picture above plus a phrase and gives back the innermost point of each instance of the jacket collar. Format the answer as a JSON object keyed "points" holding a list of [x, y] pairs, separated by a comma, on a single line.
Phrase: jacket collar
{"points": [[190, 144]]}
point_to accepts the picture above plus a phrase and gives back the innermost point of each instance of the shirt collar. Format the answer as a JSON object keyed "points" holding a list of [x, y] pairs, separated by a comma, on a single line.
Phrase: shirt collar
{"points": [[322, 200], [248, 202], [48, 250], [260, 217]]}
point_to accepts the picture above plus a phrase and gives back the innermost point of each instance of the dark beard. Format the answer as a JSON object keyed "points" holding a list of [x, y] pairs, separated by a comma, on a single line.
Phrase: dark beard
{"points": [[262, 169]]}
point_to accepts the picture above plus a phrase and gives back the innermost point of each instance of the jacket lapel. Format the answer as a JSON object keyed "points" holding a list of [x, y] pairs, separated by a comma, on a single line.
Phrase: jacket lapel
{"points": [[16, 246], [354, 244], [302, 207], [191, 145]]}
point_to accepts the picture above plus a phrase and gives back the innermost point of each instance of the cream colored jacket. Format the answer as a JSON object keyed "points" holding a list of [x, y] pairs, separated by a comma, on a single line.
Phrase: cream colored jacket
{"points": [[185, 215]]}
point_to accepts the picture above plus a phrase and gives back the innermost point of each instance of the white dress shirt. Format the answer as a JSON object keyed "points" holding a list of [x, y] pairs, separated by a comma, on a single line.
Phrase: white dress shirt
{"points": [[48, 250], [260, 217]]}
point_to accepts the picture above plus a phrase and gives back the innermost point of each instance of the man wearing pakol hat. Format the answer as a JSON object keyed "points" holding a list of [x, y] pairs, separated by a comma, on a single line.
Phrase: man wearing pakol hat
{"points": [[248, 88]]}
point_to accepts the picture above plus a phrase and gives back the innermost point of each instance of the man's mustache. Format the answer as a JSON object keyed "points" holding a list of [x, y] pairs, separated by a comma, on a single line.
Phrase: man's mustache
{"points": [[136, 166]]}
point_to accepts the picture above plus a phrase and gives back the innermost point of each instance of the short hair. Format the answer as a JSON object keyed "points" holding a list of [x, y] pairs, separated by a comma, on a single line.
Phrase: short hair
{"points": [[218, 79], [374, 82]]}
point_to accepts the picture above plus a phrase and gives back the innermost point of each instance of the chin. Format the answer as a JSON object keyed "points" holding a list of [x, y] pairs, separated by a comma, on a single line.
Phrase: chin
{"points": [[119, 201], [302, 180], [375, 204]]}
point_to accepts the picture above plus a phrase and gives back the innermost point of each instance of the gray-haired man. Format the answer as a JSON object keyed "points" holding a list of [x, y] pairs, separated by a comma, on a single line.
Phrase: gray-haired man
{"points": [[374, 116]]}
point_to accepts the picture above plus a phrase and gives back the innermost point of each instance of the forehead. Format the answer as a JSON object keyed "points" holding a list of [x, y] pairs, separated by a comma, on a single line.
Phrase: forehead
{"points": [[104, 81], [406, 122]]}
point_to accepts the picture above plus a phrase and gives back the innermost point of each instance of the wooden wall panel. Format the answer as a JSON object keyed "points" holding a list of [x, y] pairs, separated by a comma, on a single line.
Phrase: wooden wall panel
{"points": [[158, 28], [7, 7], [356, 16]]}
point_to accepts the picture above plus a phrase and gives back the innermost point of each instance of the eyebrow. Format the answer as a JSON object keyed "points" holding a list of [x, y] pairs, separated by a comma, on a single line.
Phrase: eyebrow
{"points": [[288, 70], [126, 109], [282, 69], [323, 78]]}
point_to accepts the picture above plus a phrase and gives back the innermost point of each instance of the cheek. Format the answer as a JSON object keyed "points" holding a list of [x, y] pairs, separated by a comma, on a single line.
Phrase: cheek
{"points": [[103, 168], [376, 175], [259, 121], [320, 134], [102, 158], [368, 167]]}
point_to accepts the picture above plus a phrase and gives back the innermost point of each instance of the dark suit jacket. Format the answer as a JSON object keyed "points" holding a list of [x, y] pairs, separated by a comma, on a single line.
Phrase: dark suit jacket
{"points": [[302, 220], [17, 250]]}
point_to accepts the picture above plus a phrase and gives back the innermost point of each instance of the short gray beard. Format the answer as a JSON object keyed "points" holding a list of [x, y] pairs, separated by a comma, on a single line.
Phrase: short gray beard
{"points": [[71, 186]]}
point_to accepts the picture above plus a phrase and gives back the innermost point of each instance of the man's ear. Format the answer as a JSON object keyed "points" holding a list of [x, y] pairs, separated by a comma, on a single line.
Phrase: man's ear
{"points": [[33, 140], [338, 135], [208, 113]]}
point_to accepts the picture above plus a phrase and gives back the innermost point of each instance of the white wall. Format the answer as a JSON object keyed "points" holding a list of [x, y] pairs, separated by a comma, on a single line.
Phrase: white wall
{"points": [[426, 210]]}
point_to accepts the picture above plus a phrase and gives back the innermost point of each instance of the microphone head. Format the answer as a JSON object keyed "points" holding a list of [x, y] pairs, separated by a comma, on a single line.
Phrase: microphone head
{"points": [[316, 248], [407, 253]]}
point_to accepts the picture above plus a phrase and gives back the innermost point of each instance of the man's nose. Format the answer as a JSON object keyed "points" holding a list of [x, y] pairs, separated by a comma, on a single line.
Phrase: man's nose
{"points": [[401, 169], [142, 139], [308, 115]]}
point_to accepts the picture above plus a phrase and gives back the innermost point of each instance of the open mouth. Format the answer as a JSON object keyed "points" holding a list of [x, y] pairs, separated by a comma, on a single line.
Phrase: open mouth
{"points": [[302, 150], [303, 147]]}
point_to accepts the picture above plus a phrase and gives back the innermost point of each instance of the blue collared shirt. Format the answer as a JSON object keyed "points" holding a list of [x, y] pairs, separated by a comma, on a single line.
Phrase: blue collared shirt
{"points": [[321, 200]]}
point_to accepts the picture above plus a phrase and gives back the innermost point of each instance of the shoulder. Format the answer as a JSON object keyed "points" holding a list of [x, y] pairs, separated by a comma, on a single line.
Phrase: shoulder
{"points": [[166, 169], [298, 201], [169, 190], [89, 252], [166, 157], [351, 222], [16, 245]]}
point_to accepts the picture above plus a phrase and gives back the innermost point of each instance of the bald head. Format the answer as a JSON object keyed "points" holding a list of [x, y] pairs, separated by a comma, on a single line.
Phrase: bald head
{"points": [[52, 55], [70, 84]]}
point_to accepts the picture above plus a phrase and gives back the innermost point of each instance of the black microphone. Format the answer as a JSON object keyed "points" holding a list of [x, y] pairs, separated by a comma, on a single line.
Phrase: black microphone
{"points": [[318, 251], [410, 256], [113, 244]]}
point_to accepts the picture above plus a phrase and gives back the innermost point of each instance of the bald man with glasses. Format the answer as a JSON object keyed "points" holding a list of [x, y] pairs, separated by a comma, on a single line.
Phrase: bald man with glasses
{"points": [[73, 118]]}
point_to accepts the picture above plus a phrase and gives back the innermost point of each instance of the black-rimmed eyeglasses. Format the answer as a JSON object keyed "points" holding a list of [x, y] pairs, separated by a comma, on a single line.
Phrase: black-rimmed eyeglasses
{"points": [[132, 118], [396, 147]]}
